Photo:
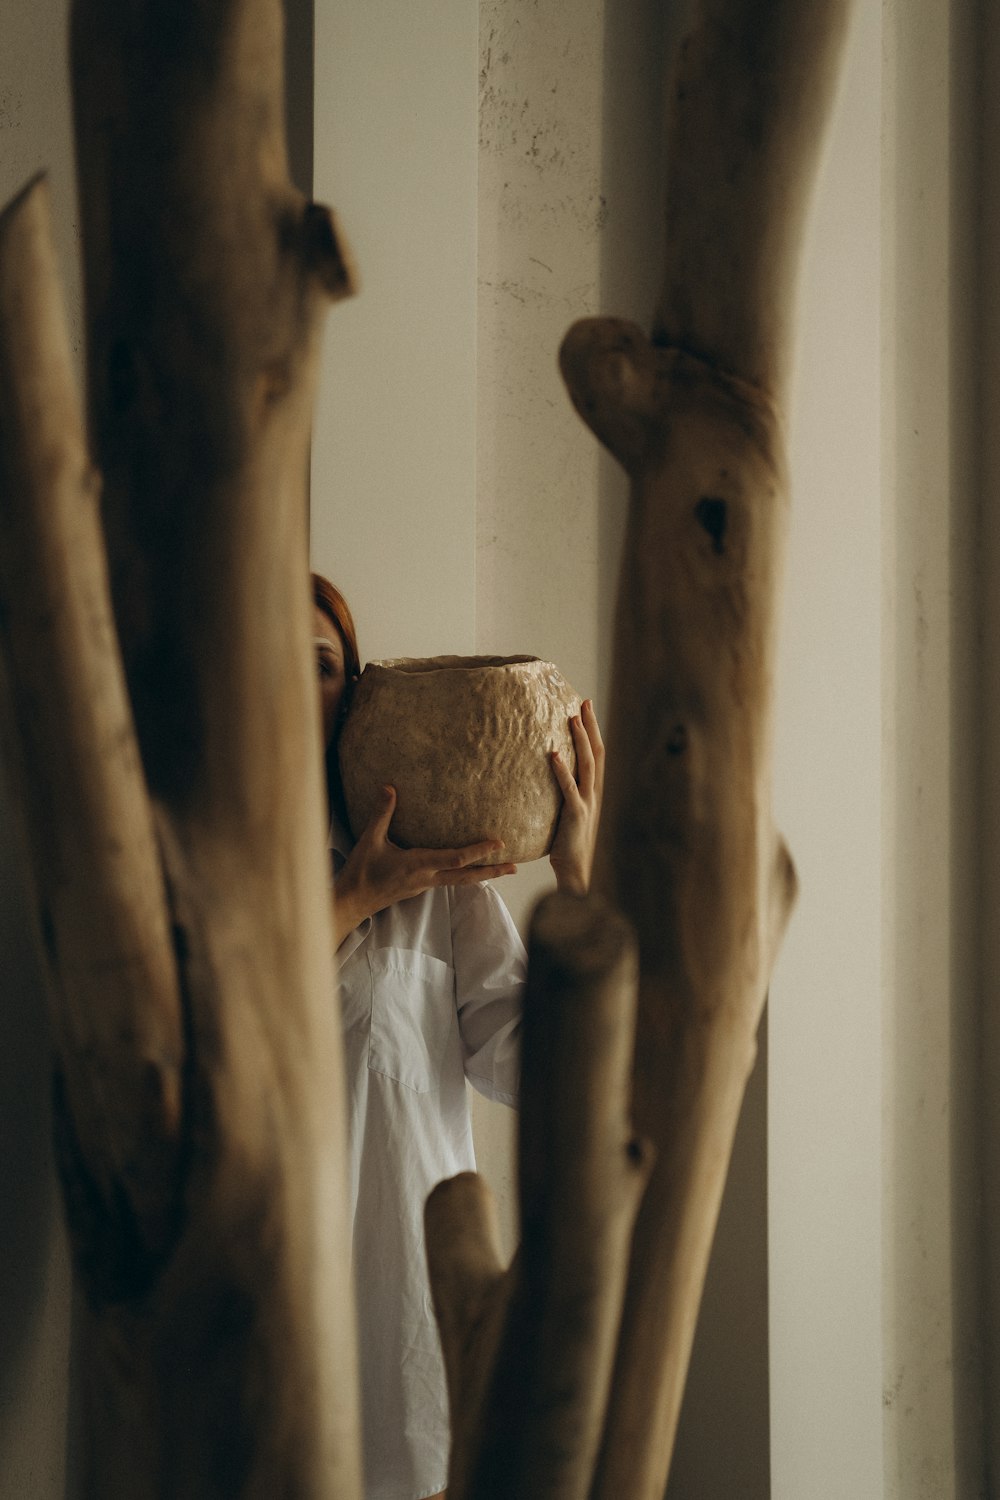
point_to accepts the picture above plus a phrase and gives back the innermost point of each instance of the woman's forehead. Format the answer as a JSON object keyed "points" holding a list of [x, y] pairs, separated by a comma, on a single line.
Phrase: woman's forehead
{"points": [[327, 633], [330, 643]]}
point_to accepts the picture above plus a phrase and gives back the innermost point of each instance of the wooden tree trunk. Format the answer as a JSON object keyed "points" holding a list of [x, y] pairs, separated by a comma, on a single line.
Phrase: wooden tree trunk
{"points": [[159, 686], [689, 850], [530, 1352], [173, 788]]}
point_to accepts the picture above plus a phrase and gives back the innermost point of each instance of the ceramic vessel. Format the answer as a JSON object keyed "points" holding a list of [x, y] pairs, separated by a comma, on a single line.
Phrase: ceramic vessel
{"points": [[465, 740]]}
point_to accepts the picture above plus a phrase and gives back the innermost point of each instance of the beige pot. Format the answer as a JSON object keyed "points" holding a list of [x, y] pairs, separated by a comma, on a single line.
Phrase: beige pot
{"points": [[465, 740]]}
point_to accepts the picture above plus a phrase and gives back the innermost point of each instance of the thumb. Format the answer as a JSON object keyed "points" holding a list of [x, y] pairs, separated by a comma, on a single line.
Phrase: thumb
{"points": [[383, 816]]}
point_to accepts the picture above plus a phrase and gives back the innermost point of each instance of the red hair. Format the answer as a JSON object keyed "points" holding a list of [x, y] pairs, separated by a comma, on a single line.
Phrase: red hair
{"points": [[333, 604]]}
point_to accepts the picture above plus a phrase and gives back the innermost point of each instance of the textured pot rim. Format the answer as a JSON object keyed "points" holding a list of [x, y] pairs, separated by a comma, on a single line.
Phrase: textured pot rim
{"points": [[425, 666]]}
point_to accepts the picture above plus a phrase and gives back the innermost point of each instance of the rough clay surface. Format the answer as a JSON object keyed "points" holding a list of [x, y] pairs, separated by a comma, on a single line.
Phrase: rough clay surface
{"points": [[465, 740]]}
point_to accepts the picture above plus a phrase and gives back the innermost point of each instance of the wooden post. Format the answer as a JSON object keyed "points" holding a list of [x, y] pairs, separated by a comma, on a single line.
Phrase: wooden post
{"points": [[529, 1353], [688, 849], [176, 825]]}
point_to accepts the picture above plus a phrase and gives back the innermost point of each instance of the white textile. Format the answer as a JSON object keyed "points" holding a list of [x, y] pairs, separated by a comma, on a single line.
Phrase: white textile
{"points": [[430, 994]]}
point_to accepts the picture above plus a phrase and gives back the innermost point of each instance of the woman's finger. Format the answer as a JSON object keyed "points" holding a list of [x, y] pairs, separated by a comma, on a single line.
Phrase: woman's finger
{"points": [[471, 854], [380, 822], [584, 757], [564, 776], [596, 742], [439, 861]]}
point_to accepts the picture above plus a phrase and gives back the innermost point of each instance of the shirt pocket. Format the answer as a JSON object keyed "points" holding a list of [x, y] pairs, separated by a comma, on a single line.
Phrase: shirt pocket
{"points": [[413, 1016]]}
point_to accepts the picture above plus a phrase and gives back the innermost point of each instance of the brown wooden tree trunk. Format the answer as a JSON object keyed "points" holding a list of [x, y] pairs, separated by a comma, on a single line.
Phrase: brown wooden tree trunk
{"points": [[159, 687], [689, 850], [174, 795]]}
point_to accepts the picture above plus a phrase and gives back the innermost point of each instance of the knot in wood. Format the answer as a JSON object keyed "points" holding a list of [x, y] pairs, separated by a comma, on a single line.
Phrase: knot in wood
{"points": [[677, 740], [712, 515]]}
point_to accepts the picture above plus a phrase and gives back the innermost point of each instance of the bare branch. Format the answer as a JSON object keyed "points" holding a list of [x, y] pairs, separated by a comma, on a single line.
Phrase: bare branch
{"points": [[471, 1291], [207, 277], [751, 98], [534, 1432], [109, 956], [688, 849]]}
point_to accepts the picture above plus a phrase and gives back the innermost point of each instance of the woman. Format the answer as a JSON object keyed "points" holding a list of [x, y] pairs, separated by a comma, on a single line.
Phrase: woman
{"points": [[431, 970]]}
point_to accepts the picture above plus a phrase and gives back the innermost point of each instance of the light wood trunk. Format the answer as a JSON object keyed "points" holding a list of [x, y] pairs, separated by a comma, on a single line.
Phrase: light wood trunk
{"points": [[174, 796]]}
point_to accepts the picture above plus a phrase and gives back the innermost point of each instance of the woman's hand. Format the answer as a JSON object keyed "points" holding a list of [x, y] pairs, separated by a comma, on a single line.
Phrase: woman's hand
{"points": [[378, 873], [572, 853]]}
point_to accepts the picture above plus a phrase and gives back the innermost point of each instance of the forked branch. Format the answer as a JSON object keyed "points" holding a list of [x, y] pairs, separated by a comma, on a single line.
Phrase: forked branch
{"points": [[751, 96]]}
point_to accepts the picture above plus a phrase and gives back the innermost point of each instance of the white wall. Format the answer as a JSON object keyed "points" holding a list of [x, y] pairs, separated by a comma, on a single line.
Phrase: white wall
{"points": [[932, 1306], [394, 458], [825, 1171], [876, 1298]]}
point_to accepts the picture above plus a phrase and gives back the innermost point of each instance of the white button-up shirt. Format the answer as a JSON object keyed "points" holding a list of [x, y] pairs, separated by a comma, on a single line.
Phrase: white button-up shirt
{"points": [[430, 993]]}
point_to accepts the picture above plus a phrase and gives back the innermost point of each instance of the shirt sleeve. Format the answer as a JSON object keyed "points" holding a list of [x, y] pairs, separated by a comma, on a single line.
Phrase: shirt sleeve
{"points": [[490, 969]]}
